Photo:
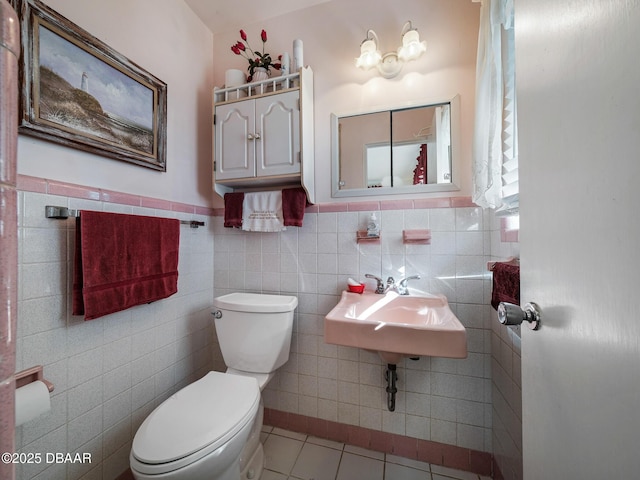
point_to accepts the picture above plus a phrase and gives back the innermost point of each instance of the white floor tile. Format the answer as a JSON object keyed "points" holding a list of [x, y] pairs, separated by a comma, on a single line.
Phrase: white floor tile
{"points": [[326, 443], [445, 473], [269, 475], [407, 462], [316, 463], [393, 471], [364, 452], [358, 467], [286, 433], [281, 453], [295, 456]]}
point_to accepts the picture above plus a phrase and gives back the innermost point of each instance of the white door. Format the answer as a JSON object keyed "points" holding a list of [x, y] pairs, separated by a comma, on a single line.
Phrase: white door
{"points": [[578, 80], [235, 140], [278, 127]]}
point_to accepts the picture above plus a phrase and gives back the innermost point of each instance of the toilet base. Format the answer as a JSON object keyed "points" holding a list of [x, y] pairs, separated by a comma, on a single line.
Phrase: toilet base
{"points": [[252, 456], [254, 468]]}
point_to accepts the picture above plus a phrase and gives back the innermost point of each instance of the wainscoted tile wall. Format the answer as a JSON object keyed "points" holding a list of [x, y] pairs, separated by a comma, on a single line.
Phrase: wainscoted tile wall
{"points": [[441, 400], [506, 388], [109, 373]]}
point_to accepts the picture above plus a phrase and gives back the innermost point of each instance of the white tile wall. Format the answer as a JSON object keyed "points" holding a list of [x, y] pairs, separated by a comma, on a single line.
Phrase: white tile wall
{"points": [[506, 379], [444, 400], [109, 373]]}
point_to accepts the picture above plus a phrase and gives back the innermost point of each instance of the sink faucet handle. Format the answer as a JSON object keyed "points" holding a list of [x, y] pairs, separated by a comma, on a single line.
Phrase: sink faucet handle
{"points": [[406, 279], [380, 285], [402, 284]]}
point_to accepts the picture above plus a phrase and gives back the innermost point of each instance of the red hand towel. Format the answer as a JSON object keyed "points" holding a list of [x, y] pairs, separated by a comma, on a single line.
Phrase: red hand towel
{"points": [[122, 261], [294, 201], [506, 284], [233, 209]]}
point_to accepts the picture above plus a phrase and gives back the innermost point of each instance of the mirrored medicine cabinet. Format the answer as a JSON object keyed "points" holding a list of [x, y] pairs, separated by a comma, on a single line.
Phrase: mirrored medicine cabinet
{"points": [[408, 149]]}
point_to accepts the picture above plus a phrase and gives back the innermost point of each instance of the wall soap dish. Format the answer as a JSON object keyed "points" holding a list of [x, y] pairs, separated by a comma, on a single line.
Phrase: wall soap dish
{"points": [[416, 237], [362, 237]]}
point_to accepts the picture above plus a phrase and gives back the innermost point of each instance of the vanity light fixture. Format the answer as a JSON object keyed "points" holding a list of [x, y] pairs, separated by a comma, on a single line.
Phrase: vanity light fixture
{"points": [[390, 63]]}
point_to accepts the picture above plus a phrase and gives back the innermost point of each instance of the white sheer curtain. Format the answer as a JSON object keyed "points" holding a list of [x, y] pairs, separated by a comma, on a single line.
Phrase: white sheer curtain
{"points": [[495, 158]]}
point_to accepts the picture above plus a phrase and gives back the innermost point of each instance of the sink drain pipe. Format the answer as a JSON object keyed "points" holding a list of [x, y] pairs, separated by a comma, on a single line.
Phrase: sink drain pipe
{"points": [[391, 376]]}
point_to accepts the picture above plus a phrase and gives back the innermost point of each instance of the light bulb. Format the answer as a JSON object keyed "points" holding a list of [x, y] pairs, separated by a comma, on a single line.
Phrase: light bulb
{"points": [[412, 47], [369, 55]]}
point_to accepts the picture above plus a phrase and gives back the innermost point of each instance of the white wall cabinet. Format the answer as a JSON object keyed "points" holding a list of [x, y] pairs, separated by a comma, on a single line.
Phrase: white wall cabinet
{"points": [[258, 138], [264, 134]]}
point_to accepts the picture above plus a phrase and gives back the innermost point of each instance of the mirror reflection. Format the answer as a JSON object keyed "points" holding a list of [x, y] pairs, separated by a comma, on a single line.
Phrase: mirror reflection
{"points": [[403, 150]]}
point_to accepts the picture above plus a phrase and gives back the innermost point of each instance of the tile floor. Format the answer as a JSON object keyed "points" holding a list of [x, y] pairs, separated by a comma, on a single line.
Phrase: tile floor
{"points": [[293, 456]]}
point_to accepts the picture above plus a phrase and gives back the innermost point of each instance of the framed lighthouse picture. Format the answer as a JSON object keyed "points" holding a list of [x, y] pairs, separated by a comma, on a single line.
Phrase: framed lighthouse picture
{"points": [[79, 92]]}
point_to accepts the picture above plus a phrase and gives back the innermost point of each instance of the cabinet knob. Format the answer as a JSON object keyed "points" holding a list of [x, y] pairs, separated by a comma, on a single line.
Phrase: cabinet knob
{"points": [[250, 137], [257, 136]]}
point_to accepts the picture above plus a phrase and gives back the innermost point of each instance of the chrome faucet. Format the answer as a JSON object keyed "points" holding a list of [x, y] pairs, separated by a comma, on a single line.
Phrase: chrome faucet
{"points": [[380, 286], [401, 287]]}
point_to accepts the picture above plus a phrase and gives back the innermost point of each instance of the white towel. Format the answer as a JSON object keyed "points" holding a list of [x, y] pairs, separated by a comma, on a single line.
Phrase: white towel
{"points": [[262, 212]]}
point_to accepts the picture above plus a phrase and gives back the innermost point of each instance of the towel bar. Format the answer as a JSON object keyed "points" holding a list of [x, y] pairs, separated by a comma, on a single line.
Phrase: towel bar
{"points": [[510, 261], [61, 213]]}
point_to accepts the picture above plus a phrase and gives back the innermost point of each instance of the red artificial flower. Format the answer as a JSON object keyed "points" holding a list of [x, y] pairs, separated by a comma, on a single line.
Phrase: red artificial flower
{"points": [[255, 58]]}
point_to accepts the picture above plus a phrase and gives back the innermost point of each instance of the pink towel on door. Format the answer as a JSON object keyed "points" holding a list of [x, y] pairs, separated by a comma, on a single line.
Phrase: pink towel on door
{"points": [[233, 209], [506, 284], [294, 201], [122, 261]]}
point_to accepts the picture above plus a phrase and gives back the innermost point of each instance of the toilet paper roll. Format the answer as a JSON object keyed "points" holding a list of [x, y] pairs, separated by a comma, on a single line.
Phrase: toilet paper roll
{"points": [[31, 400], [234, 78]]}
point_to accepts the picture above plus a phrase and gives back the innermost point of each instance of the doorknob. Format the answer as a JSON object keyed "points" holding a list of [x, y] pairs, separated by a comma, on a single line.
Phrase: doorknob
{"points": [[510, 314]]}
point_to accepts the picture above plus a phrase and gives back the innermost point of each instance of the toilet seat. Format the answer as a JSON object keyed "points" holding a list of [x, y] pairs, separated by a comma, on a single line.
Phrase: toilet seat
{"points": [[194, 422]]}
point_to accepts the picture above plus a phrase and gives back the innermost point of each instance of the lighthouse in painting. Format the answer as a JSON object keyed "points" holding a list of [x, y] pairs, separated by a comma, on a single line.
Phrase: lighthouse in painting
{"points": [[84, 84]]}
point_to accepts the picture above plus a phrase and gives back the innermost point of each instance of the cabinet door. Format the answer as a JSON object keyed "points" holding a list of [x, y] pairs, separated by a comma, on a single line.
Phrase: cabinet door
{"points": [[278, 125], [235, 133]]}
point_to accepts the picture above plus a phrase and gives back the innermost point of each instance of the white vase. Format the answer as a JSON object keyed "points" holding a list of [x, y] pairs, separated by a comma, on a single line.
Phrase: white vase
{"points": [[260, 73]]}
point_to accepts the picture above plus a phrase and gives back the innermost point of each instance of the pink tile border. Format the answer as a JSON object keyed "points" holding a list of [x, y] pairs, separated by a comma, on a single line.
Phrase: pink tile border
{"points": [[423, 450], [70, 190], [422, 203], [31, 184], [42, 185]]}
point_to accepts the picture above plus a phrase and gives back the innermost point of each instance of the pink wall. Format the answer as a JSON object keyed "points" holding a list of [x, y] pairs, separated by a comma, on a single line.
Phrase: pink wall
{"points": [[9, 52], [332, 33], [165, 38]]}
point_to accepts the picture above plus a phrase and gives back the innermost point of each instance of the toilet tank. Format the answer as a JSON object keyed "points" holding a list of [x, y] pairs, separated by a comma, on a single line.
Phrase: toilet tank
{"points": [[254, 330]]}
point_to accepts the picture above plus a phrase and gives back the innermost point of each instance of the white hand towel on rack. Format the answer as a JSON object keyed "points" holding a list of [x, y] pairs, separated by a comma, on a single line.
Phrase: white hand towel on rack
{"points": [[262, 212]]}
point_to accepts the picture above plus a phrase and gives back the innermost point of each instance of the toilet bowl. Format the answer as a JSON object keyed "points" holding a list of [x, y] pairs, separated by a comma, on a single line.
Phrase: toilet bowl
{"points": [[199, 431], [211, 428]]}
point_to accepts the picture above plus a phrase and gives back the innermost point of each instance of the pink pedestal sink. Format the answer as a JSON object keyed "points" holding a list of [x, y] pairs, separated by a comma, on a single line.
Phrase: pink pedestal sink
{"points": [[396, 326]]}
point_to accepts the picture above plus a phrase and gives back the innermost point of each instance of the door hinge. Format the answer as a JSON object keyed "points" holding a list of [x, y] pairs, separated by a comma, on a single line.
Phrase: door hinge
{"points": [[214, 118], [214, 166]]}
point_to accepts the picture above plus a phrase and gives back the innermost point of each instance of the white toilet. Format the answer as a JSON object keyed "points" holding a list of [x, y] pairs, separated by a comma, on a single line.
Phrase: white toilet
{"points": [[210, 430]]}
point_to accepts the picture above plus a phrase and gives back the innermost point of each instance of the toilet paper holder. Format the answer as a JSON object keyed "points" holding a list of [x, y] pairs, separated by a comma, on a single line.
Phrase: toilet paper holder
{"points": [[31, 375]]}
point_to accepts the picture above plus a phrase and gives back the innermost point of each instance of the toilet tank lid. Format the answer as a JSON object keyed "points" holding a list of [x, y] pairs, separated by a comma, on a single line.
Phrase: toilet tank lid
{"points": [[256, 302]]}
